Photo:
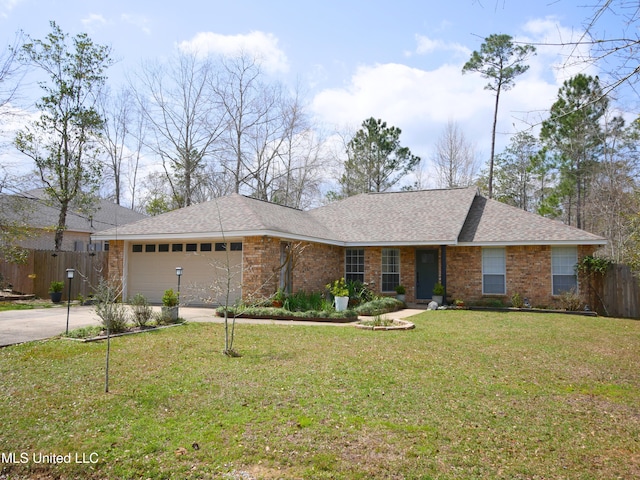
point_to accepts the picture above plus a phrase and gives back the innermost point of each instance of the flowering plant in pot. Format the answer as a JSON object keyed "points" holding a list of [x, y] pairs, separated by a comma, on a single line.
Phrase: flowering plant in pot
{"points": [[340, 292]]}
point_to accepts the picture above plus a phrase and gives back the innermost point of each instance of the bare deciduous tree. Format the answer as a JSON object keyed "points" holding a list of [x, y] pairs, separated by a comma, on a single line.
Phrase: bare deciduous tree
{"points": [[247, 104], [454, 158], [185, 119], [10, 73], [612, 201], [123, 141]]}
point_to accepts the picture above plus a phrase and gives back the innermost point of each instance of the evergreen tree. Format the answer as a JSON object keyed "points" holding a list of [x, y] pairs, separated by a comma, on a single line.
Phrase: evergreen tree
{"points": [[375, 159], [574, 135], [500, 61]]}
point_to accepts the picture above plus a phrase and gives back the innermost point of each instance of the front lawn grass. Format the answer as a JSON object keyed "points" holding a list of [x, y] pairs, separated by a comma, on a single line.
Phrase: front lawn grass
{"points": [[463, 395], [25, 305]]}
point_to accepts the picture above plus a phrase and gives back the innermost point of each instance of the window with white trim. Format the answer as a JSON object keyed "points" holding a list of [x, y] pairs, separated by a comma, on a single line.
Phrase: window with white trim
{"points": [[563, 269], [494, 271], [354, 264], [390, 269]]}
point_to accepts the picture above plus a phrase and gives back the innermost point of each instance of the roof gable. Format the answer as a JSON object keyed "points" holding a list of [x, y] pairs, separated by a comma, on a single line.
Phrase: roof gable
{"points": [[231, 215], [493, 222]]}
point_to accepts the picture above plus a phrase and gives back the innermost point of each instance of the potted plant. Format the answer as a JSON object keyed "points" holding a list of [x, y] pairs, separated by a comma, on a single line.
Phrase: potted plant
{"points": [[55, 291], [400, 292], [278, 298], [438, 293], [340, 292], [170, 305]]}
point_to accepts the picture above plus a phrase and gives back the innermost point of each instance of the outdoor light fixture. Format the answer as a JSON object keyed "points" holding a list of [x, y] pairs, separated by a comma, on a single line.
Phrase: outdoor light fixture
{"points": [[70, 273], [179, 274]]}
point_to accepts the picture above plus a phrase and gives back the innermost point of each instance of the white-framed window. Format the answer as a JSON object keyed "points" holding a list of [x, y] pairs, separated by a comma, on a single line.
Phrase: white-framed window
{"points": [[390, 269], [563, 269], [354, 264], [494, 271]]}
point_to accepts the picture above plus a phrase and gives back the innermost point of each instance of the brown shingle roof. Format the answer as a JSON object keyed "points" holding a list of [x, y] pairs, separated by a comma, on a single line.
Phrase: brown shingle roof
{"points": [[426, 217], [231, 215], [414, 217], [493, 222]]}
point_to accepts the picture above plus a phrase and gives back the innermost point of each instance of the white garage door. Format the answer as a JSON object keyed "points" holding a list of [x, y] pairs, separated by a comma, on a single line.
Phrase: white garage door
{"points": [[206, 268]]}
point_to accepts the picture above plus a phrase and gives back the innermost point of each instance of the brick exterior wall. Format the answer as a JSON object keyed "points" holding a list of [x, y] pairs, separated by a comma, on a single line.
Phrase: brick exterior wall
{"points": [[116, 260], [528, 272], [314, 265], [260, 273], [373, 270]]}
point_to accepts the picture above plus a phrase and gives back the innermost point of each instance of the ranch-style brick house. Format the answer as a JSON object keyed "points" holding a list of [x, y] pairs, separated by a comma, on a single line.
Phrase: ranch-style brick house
{"points": [[478, 248]]}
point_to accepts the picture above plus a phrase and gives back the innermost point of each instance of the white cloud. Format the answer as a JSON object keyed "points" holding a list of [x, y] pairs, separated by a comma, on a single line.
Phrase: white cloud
{"points": [[421, 101], [93, 20], [262, 45], [139, 21], [426, 45], [6, 6], [555, 52]]}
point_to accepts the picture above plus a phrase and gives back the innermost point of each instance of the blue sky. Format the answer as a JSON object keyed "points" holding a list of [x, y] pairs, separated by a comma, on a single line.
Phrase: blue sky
{"points": [[400, 61]]}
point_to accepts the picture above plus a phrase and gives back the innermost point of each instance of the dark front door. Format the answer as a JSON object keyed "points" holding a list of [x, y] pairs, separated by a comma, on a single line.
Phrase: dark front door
{"points": [[426, 272]]}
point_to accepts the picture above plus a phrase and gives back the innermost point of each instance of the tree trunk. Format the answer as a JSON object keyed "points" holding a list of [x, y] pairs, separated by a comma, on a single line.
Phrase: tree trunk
{"points": [[493, 141], [60, 228]]}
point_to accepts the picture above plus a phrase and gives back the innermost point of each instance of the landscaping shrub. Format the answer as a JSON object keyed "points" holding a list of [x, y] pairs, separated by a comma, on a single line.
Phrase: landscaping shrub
{"points": [[379, 306], [142, 311], [85, 332], [571, 301], [359, 293], [282, 312], [112, 313], [302, 301], [517, 301]]}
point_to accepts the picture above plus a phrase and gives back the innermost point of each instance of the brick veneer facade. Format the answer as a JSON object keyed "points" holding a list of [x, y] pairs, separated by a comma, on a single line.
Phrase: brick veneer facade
{"points": [[314, 265], [116, 260], [528, 269], [528, 273]]}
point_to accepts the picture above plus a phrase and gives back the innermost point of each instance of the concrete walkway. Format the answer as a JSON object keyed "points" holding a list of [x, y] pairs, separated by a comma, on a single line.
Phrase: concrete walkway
{"points": [[19, 326]]}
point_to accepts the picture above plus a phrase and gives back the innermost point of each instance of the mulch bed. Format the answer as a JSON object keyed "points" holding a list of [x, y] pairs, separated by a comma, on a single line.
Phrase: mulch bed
{"points": [[294, 318]]}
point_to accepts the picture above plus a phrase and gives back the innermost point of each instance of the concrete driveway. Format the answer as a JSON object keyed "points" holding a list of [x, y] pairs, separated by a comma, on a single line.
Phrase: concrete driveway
{"points": [[19, 326]]}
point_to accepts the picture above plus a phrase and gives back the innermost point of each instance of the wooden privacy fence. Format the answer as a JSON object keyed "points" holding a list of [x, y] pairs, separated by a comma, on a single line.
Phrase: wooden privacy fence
{"points": [[43, 267], [619, 291]]}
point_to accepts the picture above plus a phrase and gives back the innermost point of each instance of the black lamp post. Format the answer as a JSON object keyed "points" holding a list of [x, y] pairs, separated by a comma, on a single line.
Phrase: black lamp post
{"points": [[179, 274], [70, 272]]}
